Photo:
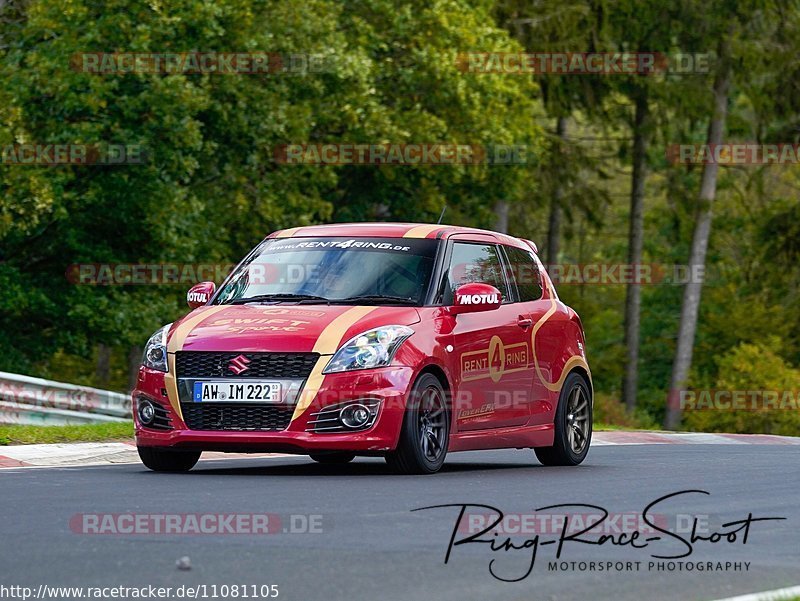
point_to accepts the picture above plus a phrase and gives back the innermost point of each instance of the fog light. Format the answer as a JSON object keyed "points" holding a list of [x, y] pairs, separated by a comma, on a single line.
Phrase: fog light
{"points": [[147, 412], [354, 416]]}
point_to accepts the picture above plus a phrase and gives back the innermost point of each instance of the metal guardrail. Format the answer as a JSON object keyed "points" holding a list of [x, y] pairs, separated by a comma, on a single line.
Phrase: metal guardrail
{"points": [[27, 400]]}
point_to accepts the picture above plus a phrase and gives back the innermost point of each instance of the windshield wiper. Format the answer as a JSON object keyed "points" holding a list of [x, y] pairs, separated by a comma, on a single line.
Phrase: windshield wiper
{"points": [[264, 298], [376, 299]]}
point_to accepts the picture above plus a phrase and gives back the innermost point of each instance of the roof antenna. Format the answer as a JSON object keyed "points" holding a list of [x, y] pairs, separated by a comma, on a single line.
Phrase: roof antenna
{"points": [[442, 215]]}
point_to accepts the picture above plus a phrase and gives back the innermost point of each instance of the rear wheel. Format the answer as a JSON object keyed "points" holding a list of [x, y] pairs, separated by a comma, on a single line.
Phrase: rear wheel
{"points": [[333, 458], [167, 460], [426, 429], [573, 425]]}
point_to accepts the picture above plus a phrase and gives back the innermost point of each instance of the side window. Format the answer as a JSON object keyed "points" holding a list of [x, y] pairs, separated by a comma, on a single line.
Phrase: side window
{"points": [[525, 273], [471, 262]]}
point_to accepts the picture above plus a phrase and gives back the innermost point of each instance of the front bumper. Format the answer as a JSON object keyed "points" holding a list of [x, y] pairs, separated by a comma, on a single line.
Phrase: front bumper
{"points": [[389, 385]]}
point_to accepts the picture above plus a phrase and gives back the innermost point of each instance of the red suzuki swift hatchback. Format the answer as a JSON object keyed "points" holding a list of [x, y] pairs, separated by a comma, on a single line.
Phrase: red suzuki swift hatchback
{"points": [[399, 340]]}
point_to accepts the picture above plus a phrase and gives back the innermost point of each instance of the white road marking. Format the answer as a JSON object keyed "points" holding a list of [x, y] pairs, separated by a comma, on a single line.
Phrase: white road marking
{"points": [[704, 438], [780, 593], [33, 452]]}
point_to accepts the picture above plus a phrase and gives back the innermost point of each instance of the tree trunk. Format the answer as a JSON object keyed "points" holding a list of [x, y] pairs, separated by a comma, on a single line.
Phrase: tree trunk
{"points": [[501, 222], [554, 222], [554, 227], [633, 298], [103, 368], [702, 231]]}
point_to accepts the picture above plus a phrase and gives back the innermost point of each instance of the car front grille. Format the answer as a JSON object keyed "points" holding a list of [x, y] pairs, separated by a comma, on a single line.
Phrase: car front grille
{"points": [[231, 416], [201, 364]]}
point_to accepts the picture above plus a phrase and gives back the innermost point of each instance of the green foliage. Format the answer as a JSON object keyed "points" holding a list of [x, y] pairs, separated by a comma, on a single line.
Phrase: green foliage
{"points": [[17, 434], [413, 50], [753, 367], [209, 188], [610, 414]]}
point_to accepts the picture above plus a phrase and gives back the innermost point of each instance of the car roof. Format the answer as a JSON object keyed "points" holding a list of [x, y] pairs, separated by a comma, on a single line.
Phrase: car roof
{"points": [[394, 230]]}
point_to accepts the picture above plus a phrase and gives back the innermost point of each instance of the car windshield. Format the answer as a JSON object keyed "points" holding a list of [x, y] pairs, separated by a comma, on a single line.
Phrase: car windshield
{"points": [[338, 270]]}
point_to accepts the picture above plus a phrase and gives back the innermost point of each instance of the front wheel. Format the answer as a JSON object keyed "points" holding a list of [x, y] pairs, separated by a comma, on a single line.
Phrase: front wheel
{"points": [[573, 425], [426, 429], [166, 460]]}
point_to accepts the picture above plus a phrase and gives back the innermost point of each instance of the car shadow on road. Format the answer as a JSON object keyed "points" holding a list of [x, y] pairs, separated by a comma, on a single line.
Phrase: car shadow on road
{"points": [[356, 468]]}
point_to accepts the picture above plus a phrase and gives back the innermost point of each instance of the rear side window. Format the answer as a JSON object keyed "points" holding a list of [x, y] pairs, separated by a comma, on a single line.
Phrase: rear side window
{"points": [[525, 272], [474, 262]]}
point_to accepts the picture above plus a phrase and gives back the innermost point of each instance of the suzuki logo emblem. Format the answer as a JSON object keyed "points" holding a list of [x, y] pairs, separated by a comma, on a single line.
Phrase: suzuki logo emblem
{"points": [[239, 364]]}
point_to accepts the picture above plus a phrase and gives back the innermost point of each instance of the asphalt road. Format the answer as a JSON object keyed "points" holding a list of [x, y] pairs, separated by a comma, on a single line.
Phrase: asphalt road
{"points": [[372, 546]]}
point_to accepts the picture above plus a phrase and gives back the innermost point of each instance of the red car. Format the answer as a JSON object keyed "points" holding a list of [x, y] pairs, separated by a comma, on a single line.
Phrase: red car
{"points": [[398, 340]]}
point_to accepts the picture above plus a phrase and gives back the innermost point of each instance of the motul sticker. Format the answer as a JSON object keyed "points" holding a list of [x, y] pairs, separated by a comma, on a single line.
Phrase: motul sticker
{"points": [[478, 299], [197, 297]]}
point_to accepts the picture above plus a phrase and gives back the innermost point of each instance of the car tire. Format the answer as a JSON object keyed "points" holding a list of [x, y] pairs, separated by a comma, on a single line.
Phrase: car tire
{"points": [[426, 429], [573, 425], [333, 458], [166, 460]]}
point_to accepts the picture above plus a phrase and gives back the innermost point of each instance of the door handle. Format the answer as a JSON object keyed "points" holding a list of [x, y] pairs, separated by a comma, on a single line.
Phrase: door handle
{"points": [[524, 321]]}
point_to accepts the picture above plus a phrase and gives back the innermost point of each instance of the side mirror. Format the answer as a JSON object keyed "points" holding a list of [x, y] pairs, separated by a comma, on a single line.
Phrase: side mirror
{"points": [[475, 297], [200, 294]]}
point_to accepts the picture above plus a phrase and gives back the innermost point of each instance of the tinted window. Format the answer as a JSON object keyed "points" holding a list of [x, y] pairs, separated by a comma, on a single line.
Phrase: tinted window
{"points": [[335, 268], [474, 263], [525, 273]]}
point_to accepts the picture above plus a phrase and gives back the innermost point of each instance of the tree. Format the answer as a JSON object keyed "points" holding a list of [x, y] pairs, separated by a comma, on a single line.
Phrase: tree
{"points": [[556, 209], [640, 27], [413, 49], [210, 187], [702, 231], [548, 26], [633, 300]]}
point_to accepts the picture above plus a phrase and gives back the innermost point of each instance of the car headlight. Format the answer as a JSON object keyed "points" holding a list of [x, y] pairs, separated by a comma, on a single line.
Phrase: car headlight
{"points": [[374, 348], [155, 351]]}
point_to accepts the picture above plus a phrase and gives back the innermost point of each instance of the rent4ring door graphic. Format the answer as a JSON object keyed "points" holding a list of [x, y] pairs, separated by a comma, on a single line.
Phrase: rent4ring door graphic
{"points": [[545, 346], [545, 333], [492, 349]]}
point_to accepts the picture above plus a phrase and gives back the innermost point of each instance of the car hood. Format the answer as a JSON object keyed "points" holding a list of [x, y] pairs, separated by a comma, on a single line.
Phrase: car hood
{"points": [[280, 328]]}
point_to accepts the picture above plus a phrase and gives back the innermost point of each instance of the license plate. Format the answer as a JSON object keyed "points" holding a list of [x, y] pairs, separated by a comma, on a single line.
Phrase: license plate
{"points": [[237, 391]]}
